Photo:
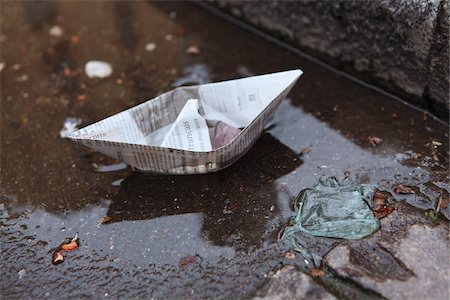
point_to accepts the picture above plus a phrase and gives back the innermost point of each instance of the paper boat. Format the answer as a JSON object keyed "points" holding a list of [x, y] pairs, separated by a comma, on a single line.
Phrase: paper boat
{"points": [[133, 136]]}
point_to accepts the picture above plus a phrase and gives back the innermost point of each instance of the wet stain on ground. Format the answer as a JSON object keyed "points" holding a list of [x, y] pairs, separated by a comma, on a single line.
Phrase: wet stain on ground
{"points": [[228, 220]]}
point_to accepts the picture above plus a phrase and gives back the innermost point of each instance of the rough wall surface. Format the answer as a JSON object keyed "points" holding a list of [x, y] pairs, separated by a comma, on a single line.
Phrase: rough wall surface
{"points": [[400, 46]]}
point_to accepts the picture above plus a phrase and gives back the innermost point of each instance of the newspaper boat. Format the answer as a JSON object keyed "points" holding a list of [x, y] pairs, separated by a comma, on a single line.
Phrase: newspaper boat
{"points": [[172, 133]]}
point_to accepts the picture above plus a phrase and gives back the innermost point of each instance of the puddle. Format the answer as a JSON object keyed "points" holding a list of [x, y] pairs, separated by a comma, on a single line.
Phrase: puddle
{"points": [[193, 75], [228, 220], [111, 168]]}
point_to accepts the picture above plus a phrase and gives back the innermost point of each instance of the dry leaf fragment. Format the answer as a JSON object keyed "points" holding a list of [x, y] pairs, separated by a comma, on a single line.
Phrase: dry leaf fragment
{"points": [[383, 212], [72, 245], [401, 189], [57, 258], [187, 261], [317, 272], [289, 255], [306, 150], [106, 219], [379, 198]]}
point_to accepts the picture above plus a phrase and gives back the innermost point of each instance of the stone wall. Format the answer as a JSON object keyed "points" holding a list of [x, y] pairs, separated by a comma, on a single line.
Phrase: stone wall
{"points": [[400, 46]]}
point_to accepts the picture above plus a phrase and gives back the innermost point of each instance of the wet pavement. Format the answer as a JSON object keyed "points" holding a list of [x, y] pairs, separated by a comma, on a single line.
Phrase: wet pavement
{"points": [[205, 236]]}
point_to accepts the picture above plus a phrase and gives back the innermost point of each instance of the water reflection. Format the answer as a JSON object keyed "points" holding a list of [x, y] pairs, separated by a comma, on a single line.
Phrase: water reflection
{"points": [[124, 17], [39, 12], [236, 203], [194, 74]]}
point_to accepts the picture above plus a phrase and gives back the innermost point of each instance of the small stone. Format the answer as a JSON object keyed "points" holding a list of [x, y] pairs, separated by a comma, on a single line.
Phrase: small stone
{"points": [[96, 68], [150, 47], [56, 31], [172, 15], [194, 50]]}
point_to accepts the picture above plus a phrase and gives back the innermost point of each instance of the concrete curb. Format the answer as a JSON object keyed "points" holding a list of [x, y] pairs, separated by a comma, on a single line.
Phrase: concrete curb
{"points": [[400, 46]]}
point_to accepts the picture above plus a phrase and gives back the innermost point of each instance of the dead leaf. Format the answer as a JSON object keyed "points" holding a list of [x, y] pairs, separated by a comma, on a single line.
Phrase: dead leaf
{"points": [[306, 150], [317, 272], [187, 261], [57, 258], [106, 219], [444, 202], [402, 189], [289, 255], [374, 140], [383, 212], [73, 244], [379, 198]]}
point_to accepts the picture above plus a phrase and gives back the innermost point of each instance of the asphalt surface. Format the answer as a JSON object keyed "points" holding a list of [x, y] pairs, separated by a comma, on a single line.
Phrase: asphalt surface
{"points": [[206, 236]]}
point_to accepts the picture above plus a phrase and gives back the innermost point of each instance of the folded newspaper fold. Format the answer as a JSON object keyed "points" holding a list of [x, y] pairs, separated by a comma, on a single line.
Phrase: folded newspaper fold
{"points": [[191, 130]]}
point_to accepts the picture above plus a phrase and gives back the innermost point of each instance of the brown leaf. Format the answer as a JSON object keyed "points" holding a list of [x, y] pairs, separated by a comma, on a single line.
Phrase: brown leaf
{"points": [[383, 212], [402, 189], [317, 272], [106, 219], [306, 150], [73, 244], [289, 255], [57, 258], [379, 198], [187, 261]]}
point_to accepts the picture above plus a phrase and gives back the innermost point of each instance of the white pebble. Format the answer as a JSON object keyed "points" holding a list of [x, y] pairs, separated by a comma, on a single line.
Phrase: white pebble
{"points": [[150, 46], [22, 273], [96, 68], [56, 31]]}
